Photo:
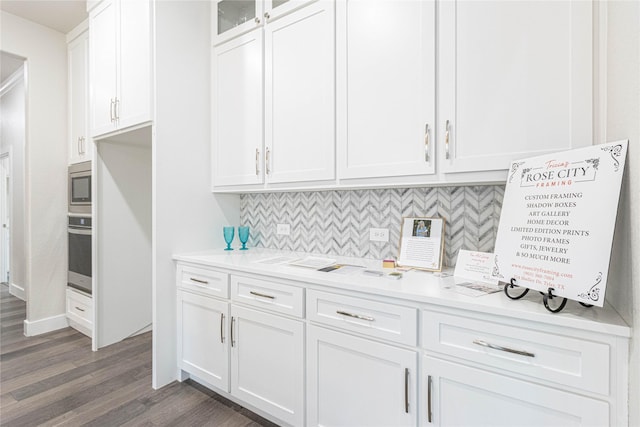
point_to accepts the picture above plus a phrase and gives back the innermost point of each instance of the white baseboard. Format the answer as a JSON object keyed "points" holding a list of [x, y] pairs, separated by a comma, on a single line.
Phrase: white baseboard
{"points": [[43, 326], [17, 291]]}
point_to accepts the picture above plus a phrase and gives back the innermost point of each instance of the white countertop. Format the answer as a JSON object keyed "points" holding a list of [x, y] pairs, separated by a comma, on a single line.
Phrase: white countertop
{"points": [[415, 286]]}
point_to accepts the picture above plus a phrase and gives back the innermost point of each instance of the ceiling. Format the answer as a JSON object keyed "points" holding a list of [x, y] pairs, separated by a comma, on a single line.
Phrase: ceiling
{"points": [[60, 15]]}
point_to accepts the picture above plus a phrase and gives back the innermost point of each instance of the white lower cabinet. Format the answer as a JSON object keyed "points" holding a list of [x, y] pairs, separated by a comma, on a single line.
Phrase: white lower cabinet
{"points": [[80, 311], [203, 347], [267, 363], [459, 395], [305, 354], [255, 356], [481, 370], [353, 381]]}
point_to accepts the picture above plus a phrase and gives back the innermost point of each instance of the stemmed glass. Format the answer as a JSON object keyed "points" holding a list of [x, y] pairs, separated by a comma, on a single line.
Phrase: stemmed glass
{"points": [[228, 237], [243, 235]]}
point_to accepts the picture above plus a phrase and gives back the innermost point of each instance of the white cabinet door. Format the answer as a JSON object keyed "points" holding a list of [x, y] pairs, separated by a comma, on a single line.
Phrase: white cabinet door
{"points": [[267, 359], [102, 40], [134, 74], [457, 395], [300, 95], [386, 88], [78, 62], [203, 343], [514, 80], [357, 382], [237, 104]]}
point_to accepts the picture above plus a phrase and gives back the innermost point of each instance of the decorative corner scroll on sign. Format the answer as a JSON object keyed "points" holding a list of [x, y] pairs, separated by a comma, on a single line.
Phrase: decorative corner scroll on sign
{"points": [[594, 292], [514, 168], [615, 151]]}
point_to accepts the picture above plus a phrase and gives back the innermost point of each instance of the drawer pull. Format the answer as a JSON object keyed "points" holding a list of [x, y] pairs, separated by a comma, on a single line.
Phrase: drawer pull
{"points": [[233, 341], [429, 413], [79, 309], [258, 294], [507, 349], [357, 316], [204, 282], [406, 390], [222, 328]]}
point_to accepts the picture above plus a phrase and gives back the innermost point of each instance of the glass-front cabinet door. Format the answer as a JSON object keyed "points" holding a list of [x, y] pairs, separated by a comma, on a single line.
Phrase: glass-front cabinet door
{"points": [[233, 18]]}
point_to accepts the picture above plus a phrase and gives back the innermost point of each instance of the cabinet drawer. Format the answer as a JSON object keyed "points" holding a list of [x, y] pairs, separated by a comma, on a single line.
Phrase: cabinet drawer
{"points": [[377, 319], [80, 309], [546, 356], [204, 281], [267, 295]]}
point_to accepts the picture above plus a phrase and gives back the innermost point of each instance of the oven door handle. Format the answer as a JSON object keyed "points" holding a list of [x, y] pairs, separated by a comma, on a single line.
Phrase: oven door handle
{"points": [[82, 231]]}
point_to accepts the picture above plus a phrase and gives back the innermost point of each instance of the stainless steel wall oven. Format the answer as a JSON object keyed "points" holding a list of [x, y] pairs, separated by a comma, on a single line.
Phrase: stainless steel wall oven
{"points": [[79, 272]]}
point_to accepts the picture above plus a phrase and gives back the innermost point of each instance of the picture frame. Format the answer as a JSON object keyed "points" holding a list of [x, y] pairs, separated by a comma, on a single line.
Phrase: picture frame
{"points": [[422, 243]]}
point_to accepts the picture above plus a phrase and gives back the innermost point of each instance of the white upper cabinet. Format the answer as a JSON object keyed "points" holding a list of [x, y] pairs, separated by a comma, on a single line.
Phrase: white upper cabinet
{"points": [[78, 68], [395, 93], [300, 96], [120, 65], [273, 97], [514, 80], [386, 88], [102, 66], [237, 104]]}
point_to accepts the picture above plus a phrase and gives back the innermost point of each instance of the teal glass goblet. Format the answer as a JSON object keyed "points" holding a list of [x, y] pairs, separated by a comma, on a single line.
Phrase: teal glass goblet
{"points": [[228, 237], [243, 235]]}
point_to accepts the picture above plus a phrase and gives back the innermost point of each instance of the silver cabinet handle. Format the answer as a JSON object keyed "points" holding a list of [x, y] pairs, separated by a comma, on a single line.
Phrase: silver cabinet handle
{"points": [[82, 145], [507, 349], [79, 309], [257, 20], [222, 328], [406, 390], [258, 294], [267, 159], [79, 145], [446, 140], [429, 416], [117, 109], [357, 316], [266, 15], [111, 109], [233, 341], [257, 162], [204, 282], [426, 143]]}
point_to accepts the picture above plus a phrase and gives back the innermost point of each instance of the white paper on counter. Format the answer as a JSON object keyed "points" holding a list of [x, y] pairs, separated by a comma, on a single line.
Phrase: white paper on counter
{"points": [[475, 266]]}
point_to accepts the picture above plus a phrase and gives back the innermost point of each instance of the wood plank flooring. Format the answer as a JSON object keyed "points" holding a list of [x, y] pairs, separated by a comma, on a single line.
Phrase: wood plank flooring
{"points": [[55, 379]]}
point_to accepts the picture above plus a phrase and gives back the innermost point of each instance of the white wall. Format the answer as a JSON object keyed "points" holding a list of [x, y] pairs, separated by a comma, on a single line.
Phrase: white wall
{"points": [[623, 122], [45, 51], [186, 215], [12, 139]]}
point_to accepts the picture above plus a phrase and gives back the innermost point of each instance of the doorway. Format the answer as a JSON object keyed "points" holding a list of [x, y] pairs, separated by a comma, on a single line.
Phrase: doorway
{"points": [[13, 98]]}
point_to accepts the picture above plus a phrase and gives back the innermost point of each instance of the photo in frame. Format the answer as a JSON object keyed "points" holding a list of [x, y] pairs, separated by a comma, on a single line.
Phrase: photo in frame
{"points": [[422, 243]]}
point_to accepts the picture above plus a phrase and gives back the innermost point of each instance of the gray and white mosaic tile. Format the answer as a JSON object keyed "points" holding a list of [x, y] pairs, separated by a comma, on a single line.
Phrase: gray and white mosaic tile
{"points": [[338, 222]]}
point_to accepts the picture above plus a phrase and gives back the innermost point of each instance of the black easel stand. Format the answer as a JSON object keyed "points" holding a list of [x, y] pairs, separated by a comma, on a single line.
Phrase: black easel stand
{"points": [[546, 297]]}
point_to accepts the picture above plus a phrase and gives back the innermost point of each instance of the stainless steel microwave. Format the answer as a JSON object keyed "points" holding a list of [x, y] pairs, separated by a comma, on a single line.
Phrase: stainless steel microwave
{"points": [[80, 188]]}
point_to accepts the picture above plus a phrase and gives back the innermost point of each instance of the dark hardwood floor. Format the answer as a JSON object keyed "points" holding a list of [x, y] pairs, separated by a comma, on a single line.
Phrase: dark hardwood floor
{"points": [[55, 379]]}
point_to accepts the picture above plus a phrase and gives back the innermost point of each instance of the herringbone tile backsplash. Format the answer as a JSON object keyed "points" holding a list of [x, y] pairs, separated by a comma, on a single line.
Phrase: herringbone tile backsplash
{"points": [[338, 222]]}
